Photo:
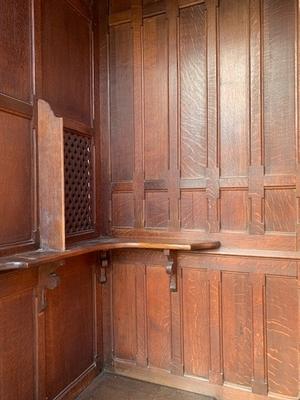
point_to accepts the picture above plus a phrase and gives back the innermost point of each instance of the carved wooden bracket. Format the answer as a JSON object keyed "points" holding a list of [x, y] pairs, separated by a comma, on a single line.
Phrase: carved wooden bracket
{"points": [[171, 268], [103, 265], [48, 279]]}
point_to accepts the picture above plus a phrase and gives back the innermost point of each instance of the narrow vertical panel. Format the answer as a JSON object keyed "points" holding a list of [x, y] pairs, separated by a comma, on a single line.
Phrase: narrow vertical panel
{"points": [[122, 210], [156, 97], [237, 328], [121, 103], [282, 335], [234, 210], [157, 210], [158, 317], [124, 311], [194, 210], [279, 86], [141, 337], [234, 87], [193, 91], [280, 210], [196, 322]]}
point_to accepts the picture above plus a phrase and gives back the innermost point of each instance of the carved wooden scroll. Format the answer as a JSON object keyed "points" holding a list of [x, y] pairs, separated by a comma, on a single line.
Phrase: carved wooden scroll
{"points": [[171, 269], [103, 265], [48, 279]]}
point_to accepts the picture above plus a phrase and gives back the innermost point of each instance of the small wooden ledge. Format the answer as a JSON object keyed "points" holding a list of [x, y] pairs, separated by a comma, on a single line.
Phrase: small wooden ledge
{"points": [[29, 259]]}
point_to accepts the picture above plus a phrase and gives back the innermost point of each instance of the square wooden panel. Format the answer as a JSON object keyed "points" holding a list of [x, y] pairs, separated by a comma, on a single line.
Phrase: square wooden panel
{"points": [[16, 211], [157, 210], [194, 210], [15, 49], [66, 60], [234, 210], [122, 210], [280, 210]]}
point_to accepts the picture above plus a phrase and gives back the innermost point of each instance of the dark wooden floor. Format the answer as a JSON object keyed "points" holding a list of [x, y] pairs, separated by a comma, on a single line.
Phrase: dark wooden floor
{"points": [[111, 387]]}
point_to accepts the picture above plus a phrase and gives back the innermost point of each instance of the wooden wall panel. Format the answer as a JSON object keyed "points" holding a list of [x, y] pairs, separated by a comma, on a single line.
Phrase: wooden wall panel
{"points": [[234, 87], [237, 328], [282, 335], [279, 93], [17, 335], [155, 34], [121, 95], [194, 209], [234, 210], [193, 91], [280, 210], [156, 210], [15, 49], [66, 61], [158, 318], [69, 325], [122, 210], [16, 190], [196, 334], [117, 6], [124, 311]]}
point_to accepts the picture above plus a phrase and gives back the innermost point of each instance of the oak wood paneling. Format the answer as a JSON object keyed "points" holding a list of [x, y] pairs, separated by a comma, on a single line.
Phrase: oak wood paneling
{"points": [[121, 94], [193, 91], [196, 336], [117, 6], [194, 210], [280, 210], [156, 210], [234, 210], [15, 49], [156, 97], [122, 210], [279, 99], [16, 208], [158, 318]]}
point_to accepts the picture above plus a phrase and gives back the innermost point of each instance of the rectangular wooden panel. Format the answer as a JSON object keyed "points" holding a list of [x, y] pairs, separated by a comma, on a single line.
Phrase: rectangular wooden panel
{"points": [[193, 91], [17, 347], [122, 210], [156, 97], [121, 103], [282, 335], [196, 336], [194, 209], [66, 60], [280, 210], [116, 6], [237, 328], [15, 179], [69, 325], [157, 210], [124, 311], [279, 85], [158, 317], [234, 87], [15, 49], [234, 210]]}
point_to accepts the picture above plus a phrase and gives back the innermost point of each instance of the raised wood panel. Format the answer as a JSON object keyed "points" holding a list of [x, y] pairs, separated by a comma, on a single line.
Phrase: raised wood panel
{"points": [[194, 209], [193, 90], [156, 210], [121, 98], [122, 210], [158, 318], [196, 334], [282, 335], [279, 85], [155, 34], [66, 61], [280, 210], [237, 328], [15, 179], [17, 335], [69, 325], [234, 87], [234, 210], [124, 311], [15, 49]]}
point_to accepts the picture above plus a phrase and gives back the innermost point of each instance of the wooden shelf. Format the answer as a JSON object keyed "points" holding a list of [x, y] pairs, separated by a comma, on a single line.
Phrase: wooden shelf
{"points": [[29, 259]]}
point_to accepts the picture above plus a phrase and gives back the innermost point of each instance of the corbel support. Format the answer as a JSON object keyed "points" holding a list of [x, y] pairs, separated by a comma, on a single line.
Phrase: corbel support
{"points": [[48, 279], [171, 269], [102, 266]]}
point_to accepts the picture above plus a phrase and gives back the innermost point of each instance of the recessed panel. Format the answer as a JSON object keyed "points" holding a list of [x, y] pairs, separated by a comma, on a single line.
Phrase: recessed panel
{"points": [[122, 210], [234, 210], [280, 210], [157, 210], [194, 209]]}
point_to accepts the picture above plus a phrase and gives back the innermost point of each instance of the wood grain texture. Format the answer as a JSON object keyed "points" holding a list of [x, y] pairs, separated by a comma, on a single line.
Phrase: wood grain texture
{"points": [[234, 210], [193, 90], [280, 210], [122, 210], [156, 210], [121, 98], [196, 334], [194, 210]]}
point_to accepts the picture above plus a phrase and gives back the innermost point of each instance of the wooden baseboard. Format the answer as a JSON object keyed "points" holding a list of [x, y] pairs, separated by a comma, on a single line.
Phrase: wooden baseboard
{"points": [[191, 384]]}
